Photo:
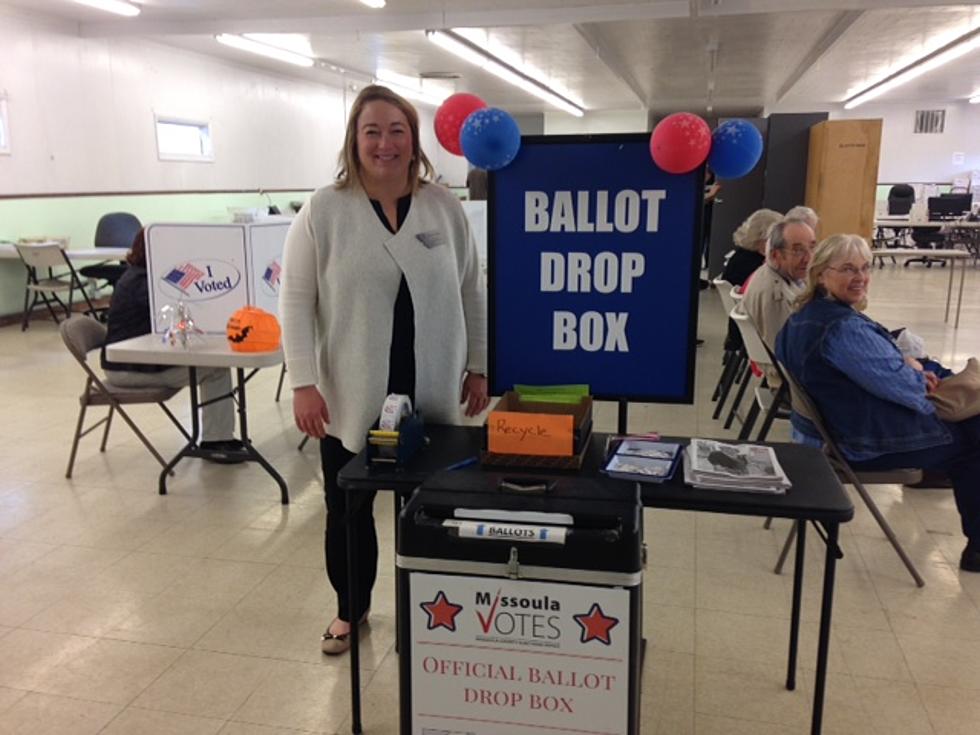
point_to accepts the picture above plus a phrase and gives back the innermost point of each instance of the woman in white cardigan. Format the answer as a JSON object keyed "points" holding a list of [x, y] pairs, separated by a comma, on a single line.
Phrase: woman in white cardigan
{"points": [[381, 293]]}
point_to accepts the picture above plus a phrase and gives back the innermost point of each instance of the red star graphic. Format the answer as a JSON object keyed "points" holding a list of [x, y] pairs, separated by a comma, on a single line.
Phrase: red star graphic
{"points": [[442, 613], [595, 625]]}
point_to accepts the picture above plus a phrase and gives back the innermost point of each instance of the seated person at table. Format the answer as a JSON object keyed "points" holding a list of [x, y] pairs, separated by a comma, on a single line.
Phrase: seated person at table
{"points": [[873, 400], [129, 316], [806, 214], [776, 285], [750, 241]]}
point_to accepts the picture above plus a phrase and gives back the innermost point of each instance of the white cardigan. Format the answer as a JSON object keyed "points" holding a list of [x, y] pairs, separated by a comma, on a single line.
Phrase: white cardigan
{"points": [[341, 273]]}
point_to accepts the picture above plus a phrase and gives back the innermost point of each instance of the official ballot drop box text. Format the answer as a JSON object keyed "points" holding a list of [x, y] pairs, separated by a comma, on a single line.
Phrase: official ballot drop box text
{"points": [[520, 605]]}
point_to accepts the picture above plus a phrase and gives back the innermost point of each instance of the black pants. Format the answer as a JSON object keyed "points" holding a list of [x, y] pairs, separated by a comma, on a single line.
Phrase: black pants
{"points": [[333, 457], [960, 459]]}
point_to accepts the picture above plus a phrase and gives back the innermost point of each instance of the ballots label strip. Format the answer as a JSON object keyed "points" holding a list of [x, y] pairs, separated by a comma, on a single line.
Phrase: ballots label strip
{"points": [[496, 531], [510, 657], [593, 261]]}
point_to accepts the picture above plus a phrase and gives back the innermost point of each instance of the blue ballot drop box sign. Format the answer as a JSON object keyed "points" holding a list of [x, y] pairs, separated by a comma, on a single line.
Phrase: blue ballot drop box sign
{"points": [[593, 264]]}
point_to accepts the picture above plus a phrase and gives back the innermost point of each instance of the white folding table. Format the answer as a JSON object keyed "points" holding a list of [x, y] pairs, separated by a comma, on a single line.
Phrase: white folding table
{"points": [[203, 351]]}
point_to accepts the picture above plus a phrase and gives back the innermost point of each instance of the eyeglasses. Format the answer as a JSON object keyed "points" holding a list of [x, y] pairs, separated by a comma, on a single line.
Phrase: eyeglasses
{"points": [[850, 271], [799, 250]]}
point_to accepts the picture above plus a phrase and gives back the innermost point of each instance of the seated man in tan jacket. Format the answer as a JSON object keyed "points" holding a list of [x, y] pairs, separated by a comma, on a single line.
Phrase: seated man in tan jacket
{"points": [[775, 285]]}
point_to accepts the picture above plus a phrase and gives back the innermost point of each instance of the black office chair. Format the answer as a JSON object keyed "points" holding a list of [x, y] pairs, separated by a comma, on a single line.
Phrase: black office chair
{"points": [[901, 197], [941, 208], [114, 230]]}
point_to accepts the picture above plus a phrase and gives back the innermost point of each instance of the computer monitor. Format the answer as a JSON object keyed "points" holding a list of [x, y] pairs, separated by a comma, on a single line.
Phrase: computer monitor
{"points": [[949, 206]]}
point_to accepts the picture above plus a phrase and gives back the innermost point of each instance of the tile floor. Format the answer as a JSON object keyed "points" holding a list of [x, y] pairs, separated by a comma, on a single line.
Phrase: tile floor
{"points": [[122, 612]]}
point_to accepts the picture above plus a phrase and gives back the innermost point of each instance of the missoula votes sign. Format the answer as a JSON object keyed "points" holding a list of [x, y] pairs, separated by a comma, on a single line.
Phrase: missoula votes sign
{"points": [[593, 266]]}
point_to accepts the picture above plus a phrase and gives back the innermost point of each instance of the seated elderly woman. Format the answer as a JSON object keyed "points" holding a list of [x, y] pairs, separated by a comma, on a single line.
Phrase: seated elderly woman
{"points": [[750, 239], [873, 400]]}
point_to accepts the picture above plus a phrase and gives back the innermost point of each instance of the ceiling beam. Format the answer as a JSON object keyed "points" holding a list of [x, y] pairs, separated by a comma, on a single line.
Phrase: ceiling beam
{"points": [[533, 14], [833, 34], [741, 7], [606, 53]]}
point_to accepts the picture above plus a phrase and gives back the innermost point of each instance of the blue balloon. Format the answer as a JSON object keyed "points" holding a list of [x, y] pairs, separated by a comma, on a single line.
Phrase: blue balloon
{"points": [[490, 138], [736, 147]]}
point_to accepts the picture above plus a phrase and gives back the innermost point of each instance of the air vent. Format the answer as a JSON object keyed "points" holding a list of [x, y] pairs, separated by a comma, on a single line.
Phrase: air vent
{"points": [[440, 75], [930, 121]]}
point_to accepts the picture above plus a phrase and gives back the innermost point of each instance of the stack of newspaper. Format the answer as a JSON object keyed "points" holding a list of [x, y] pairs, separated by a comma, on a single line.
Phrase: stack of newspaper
{"points": [[741, 467]]}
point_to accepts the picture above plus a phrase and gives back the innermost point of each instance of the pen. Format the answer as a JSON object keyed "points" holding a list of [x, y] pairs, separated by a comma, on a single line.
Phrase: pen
{"points": [[462, 463]]}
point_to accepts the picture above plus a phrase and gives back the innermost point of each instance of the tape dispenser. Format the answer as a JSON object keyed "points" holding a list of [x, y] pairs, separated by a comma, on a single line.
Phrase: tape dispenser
{"points": [[397, 434]]}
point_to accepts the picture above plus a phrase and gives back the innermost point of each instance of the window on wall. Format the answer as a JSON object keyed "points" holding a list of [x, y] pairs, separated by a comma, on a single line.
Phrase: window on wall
{"points": [[4, 127], [183, 140]]}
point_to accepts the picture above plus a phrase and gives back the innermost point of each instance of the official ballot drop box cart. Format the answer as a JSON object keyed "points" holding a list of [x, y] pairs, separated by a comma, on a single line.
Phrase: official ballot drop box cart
{"points": [[520, 605]]}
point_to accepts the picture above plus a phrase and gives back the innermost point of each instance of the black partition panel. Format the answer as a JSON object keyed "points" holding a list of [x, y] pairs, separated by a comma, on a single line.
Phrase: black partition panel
{"points": [[787, 152]]}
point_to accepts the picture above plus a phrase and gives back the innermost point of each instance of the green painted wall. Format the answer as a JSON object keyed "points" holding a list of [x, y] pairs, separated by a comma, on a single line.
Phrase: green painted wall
{"points": [[75, 217]]}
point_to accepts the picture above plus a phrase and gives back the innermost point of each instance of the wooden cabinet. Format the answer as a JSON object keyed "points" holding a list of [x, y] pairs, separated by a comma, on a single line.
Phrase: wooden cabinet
{"points": [[842, 174]]}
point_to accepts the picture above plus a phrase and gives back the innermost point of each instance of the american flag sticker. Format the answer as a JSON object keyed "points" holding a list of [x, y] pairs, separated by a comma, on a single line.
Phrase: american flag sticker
{"points": [[183, 276], [271, 275]]}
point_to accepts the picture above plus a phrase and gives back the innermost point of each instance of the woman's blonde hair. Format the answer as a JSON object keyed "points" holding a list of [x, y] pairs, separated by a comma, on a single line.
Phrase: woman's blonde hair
{"points": [[829, 250], [349, 166], [756, 228]]}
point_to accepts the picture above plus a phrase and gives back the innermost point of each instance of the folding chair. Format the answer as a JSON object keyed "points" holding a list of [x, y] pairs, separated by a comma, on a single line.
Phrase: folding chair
{"points": [[849, 476], [81, 335], [765, 399], [49, 255], [733, 360]]}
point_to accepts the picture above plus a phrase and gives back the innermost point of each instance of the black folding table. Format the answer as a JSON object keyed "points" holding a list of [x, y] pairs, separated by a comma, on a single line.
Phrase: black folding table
{"points": [[816, 497]]}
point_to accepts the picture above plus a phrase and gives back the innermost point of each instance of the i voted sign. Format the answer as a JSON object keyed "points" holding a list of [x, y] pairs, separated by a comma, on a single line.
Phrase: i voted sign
{"points": [[593, 269], [200, 280]]}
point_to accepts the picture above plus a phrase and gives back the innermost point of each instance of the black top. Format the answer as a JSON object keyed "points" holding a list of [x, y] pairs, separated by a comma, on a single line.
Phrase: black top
{"points": [[816, 493], [741, 265], [129, 316], [401, 356]]}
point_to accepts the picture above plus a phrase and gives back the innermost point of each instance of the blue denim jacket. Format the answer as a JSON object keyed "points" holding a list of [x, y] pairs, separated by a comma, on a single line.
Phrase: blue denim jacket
{"points": [[868, 413]]}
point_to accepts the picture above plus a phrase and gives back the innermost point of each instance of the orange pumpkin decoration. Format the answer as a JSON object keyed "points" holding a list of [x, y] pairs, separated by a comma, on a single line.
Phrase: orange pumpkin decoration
{"points": [[251, 329]]}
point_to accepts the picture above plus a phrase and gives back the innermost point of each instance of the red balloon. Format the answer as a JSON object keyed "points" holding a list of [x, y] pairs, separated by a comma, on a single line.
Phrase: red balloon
{"points": [[450, 118], [680, 142]]}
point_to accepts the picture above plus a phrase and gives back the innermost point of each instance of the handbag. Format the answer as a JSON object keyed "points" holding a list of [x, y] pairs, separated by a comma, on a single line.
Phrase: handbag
{"points": [[958, 397]]}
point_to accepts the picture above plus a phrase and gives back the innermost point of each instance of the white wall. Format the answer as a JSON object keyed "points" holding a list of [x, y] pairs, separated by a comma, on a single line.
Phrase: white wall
{"points": [[907, 157], [81, 117], [609, 121], [910, 157]]}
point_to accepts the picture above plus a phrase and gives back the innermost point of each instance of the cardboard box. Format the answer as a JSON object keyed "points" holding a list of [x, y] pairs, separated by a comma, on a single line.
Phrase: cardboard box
{"points": [[531, 430]]}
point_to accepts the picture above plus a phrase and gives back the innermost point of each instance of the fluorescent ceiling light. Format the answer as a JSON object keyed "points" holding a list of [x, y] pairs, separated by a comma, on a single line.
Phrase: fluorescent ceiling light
{"points": [[263, 49], [373, 3], [410, 87], [975, 99], [469, 51], [112, 6], [298, 43], [962, 45]]}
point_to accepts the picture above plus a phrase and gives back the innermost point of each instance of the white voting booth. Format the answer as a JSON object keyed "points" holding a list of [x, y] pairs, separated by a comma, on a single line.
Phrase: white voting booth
{"points": [[215, 269]]}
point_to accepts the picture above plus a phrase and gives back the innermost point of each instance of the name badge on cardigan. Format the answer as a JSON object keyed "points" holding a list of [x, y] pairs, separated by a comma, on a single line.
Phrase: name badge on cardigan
{"points": [[431, 239]]}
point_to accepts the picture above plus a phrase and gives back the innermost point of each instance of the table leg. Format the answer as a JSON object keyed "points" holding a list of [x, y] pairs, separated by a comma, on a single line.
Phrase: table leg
{"points": [[794, 626], [251, 451], [949, 287], [195, 432], [826, 607], [355, 653], [959, 298]]}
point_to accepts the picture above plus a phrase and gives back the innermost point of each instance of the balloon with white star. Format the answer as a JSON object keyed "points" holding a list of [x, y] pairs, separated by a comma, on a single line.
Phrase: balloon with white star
{"points": [[490, 138], [680, 142], [736, 147]]}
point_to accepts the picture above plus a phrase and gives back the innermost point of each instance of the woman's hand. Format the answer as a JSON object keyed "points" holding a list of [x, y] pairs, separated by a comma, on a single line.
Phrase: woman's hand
{"points": [[932, 381], [474, 393], [310, 411], [914, 364]]}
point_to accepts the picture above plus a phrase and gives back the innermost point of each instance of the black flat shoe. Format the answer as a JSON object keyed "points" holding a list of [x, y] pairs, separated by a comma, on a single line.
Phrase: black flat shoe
{"points": [[970, 560], [228, 451]]}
